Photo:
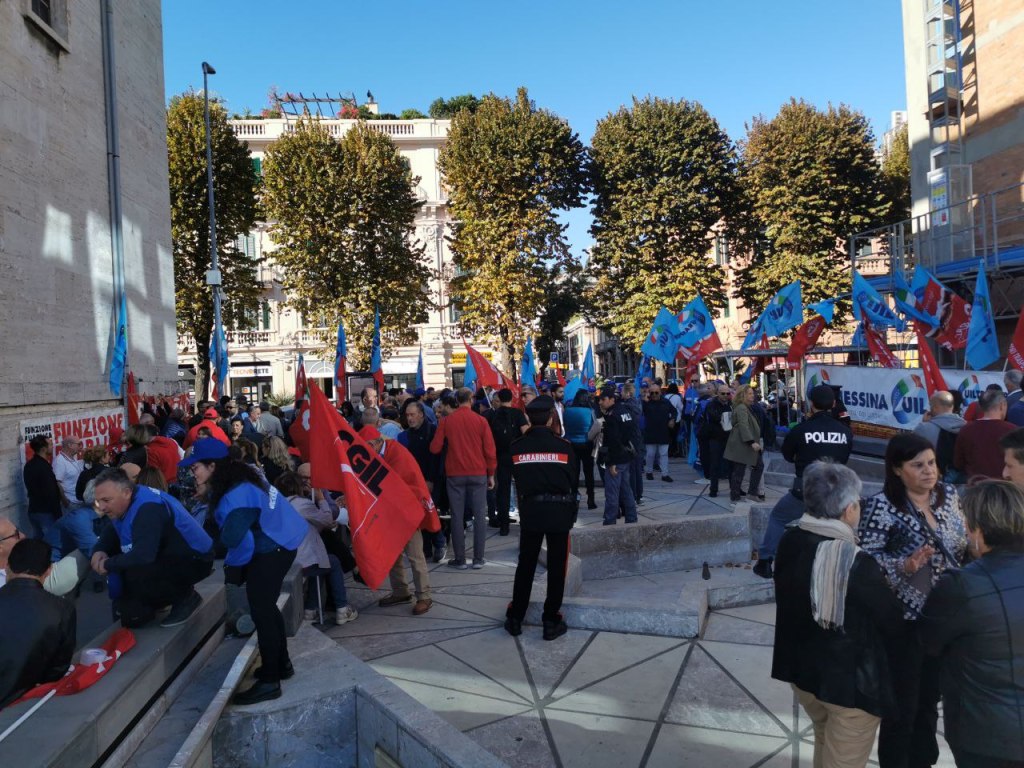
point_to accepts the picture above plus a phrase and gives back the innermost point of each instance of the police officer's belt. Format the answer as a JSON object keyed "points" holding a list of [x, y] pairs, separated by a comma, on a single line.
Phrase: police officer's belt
{"points": [[556, 497]]}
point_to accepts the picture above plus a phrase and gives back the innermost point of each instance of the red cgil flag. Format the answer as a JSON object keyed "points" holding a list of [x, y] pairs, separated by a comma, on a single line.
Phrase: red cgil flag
{"points": [[878, 348], [933, 379], [1015, 354], [383, 513], [298, 431], [486, 374], [133, 400], [804, 339], [81, 676]]}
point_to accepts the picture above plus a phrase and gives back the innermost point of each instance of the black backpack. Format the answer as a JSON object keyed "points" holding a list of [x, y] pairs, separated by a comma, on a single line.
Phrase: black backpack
{"points": [[502, 428]]}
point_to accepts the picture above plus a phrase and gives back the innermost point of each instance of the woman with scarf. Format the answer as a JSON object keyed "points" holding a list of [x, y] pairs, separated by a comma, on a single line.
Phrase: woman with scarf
{"points": [[915, 531], [836, 620]]}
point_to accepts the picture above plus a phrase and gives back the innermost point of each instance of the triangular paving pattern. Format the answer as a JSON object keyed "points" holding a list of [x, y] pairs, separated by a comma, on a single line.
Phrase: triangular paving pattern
{"points": [[638, 692], [752, 668], [586, 741], [519, 741], [549, 661], [463, 710], [432, 666], [377, 623], [707, 697], [496, 655], [686, 747], [610, 653], [368, 647], [485, 607]]}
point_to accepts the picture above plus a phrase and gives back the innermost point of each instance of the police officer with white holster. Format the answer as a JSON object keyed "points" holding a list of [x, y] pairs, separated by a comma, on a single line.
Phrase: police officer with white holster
{"points": [[546, 476], [819, 437]]}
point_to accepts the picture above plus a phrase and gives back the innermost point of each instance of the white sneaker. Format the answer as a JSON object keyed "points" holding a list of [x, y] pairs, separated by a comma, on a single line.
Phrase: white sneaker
{"points": [[702, 481], [345, 615]]}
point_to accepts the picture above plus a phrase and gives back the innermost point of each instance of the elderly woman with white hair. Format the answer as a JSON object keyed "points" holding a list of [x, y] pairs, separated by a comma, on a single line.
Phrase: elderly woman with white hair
{"points": [[836, 620]]}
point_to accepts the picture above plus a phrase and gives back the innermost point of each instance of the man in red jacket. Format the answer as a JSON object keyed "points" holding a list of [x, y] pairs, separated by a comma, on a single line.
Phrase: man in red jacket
{"points": [[210, 417], [470, 464], [401, 461], [163, 453]]}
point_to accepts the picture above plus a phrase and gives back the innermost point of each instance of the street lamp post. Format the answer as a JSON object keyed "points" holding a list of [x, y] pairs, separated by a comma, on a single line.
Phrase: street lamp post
{"points": [[213, 275]]}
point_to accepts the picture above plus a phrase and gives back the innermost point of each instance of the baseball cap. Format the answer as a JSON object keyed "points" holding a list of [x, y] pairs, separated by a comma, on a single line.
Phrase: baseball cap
{"points": [[205, 449], [369, 433], [211, 413], [419, 392]]}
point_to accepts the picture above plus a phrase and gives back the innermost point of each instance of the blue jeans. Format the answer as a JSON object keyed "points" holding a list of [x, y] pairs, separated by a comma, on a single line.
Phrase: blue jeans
{"points": [[618, 491], [788, 509], [335, 577], [658, 452], [42, 522], [74, 530]]}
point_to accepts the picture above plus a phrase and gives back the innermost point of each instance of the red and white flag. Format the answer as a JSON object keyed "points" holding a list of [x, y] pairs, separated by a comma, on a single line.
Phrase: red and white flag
{"points": [[879, 349], [1016, 352], [383, 512], [300, 379], [81, 676], [804, 339]]}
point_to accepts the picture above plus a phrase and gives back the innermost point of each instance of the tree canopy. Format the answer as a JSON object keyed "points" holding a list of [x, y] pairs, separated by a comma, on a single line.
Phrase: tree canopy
{"points": [[896, 175], [235, 184], [664, 175], [343, 218], [446, 109], [811, 180], [509, 168]]}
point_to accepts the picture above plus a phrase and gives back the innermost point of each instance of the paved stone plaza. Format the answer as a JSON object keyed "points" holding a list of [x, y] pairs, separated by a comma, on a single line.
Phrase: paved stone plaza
{"points": [[592, 699]]}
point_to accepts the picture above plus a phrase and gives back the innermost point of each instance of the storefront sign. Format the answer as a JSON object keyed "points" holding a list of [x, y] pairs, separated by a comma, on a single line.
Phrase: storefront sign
{"points": [[459, 358], [93, 427], [249, 371], [894, 397]]}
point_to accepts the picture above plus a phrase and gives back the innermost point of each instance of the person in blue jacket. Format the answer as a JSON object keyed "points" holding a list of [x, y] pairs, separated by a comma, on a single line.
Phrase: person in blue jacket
{"points": [[262, 532], [153, 552]]}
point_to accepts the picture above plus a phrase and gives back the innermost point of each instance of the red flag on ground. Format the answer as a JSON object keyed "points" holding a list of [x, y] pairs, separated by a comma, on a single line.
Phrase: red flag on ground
{"points": [[879, 349], [81, 676], [1016, 352], [933, 379], [804, 339], [383, 512]]}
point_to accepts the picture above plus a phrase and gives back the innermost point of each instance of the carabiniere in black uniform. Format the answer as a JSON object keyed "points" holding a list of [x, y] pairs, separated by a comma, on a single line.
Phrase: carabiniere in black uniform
{"points": [[546, 474]]}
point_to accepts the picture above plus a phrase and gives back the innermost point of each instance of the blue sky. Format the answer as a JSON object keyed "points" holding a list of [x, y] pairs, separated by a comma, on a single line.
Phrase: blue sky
{"points": [[582, 60]]}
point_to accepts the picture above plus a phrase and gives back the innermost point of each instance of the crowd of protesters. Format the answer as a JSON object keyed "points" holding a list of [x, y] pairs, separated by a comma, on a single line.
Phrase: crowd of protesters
{"points": [[886, 605]]}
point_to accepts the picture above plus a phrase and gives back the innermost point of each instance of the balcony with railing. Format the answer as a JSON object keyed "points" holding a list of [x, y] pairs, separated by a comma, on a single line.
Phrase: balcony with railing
{"points": [[401, 130], [948, 241]]}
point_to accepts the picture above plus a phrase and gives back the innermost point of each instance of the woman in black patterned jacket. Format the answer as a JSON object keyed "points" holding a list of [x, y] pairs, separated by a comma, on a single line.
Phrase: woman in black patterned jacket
{"points": [[915, 531]]}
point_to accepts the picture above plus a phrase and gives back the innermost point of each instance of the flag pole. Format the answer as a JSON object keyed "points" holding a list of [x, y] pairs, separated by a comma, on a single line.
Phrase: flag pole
{"points": [[13, 726]]}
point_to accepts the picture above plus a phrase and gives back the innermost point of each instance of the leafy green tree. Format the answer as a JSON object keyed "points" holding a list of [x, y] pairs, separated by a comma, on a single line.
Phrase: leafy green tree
{"points": [[509, 168], [664, 176], [896, 175], [446, 109], [811, 180], [411, 114], [343, 216], [235, 186], [563, 300]]}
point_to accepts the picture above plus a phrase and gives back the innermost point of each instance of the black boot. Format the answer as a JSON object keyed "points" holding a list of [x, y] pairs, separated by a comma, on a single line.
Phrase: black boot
{"points": [[503, 531], [555, 628], [260, 691], [763, 568], [591, 504]]}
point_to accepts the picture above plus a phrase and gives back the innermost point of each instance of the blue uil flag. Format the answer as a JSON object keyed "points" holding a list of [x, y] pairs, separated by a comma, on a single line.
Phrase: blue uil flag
{"points": [[661, 341], [869, 305], [784, 311], [982, 346]]}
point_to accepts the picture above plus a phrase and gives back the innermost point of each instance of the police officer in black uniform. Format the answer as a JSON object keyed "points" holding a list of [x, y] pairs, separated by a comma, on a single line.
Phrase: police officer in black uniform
{"points": [[546, 475], [821, 436]]}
